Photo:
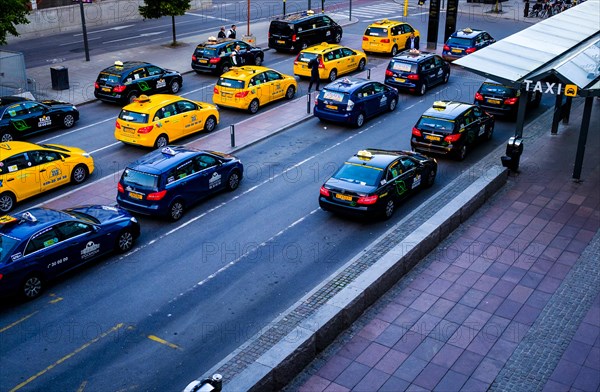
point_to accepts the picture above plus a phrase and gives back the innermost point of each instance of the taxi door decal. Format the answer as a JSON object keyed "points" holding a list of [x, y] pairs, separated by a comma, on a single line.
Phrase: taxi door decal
{"points": [[144, 85], [20, 125], [400, 187]]}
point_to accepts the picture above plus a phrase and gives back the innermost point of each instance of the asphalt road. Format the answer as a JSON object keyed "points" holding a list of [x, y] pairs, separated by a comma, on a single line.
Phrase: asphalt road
{"points": [[193, 291]]}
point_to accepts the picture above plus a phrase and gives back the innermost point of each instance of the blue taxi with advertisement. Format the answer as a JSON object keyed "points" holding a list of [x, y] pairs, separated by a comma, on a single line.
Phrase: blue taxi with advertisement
{"points": [[353, 100], [40, 244], [168, 181], [416, 71], [373, 182], [464, 42]]}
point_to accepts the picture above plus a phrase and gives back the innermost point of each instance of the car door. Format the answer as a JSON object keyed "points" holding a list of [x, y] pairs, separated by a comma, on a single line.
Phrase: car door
{"points": [[19, 177], [428, 72], [380, 96], [157, 79], [470, 126], [211, 174], [276, 84], [438, 77], [327, 29], [140, 81], [50, 168], [169, 121], [185, 181], [44, 252], [369, 101], [350, 59], [19, 119], [38, 116], [245, 53], [82, 242], [397, 180], [192, 119], [260, 88]]}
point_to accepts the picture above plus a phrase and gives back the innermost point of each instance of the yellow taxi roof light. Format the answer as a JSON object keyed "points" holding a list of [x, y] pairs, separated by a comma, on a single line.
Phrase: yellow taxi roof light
{"points": [[142, 99], [439, 105], [118, 63], [364, 154], [5, 219], [467, 30]]}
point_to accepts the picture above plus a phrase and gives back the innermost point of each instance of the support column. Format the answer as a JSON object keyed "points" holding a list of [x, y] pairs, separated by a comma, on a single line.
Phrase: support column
{"points": [[433, 25], [585, 125], [521, 113], [557, 114]]}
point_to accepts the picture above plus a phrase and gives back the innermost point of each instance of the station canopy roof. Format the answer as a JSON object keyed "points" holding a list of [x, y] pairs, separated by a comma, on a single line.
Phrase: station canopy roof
{"points": [[564, 47]]}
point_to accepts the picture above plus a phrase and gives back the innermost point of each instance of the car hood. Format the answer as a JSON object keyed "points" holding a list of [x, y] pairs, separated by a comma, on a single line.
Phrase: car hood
{"points": [[102, 212], [53, 103], [335, 184]]}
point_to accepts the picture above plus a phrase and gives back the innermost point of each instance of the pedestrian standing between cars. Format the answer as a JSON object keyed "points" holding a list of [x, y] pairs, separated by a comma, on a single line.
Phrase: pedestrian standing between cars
{"points": [[236, 56], [412, 42], [222, 33], [313, 65], [232, 32]]}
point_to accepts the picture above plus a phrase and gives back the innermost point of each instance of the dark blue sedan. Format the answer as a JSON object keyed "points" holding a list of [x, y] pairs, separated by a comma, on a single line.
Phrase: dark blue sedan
{"points": [[353, 100], [41, 244]]}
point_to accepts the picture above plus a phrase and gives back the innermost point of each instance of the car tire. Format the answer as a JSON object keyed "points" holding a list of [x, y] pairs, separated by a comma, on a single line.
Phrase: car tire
{"points": [[6, 137], [68, 120], [210, 124], [233, 181], [338, 38], [392, 105], [161, 141], [175, 86], [258, 60], [360, 120], [388, 210], [79, 174], [332, 75], [132, 96], [176, 210], [32, 287], [429, 180], [7, 202], [423, 89], [462, 152], [290, 92], [254, 106], [361, 65], [394, 50], [124, 241]]}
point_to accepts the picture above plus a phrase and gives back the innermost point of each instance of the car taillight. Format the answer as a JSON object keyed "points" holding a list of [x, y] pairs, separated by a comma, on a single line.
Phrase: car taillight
{"points": [[452, 138], [120, 188], [215, 90], [324, 192], [117, 125], [321, 65], [156, 195], [214, 60], [241, 94], [194, 58], [416, 132], [446, 48], [385, 41], [119, 89], [413, 76], [470, 50], [478, 96], [511, 101], [145, 129], [367, 200], [365, 38], [1, 276], [296, 60], [96, 85], [388, 73], [294, 38]]}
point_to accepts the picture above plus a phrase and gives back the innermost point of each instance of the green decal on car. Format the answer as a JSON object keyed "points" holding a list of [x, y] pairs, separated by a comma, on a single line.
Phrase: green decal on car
{"points": [[400, 187], [20, 125], [144, 86]]}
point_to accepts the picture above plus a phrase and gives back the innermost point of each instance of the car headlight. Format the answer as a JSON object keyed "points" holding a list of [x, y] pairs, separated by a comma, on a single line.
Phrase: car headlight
{"points": [[74, 107], [133, 219]]}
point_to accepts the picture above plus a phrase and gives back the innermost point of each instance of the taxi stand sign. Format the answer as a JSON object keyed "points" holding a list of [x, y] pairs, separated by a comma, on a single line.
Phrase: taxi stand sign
{"points": [[569, 90]]}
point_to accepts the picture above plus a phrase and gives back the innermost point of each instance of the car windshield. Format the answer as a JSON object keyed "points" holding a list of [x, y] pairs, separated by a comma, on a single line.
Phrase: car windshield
{"points": [[138, 179], [459, 41], [498, 89], [231, 83], [435, 124], [202, 51], [403, 66], [377, 31], [7, 246], [358, 174], [127, 115]]}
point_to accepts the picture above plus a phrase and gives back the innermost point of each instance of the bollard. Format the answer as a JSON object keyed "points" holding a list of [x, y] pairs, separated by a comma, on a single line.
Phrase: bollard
{"points": [[232, 134], [369, 73], [308, 103]]}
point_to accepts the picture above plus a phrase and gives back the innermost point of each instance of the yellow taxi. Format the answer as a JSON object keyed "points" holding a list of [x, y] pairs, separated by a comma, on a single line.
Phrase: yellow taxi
{"points": [[334, 60], [387, 36], [28, 169], [158, 120], [250, 87]]}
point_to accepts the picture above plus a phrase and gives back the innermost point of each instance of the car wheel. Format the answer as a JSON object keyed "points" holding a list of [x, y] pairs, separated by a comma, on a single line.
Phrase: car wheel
{"points": [[446, 77], [462, 152], [79, 174], [7, 202], [360, 120], [233, 181], [389, 209], [258, 60], [124, 241], [6, 137], [161, 141], [423, 89], [68, 120], [254, 106], [175, 86], [132, 96], [333, 75], [210, 124], [394, 50], [32, 287], [361, 64], [430, 179], [176, 210], [338, 38], [392, 105], [290, 92]]}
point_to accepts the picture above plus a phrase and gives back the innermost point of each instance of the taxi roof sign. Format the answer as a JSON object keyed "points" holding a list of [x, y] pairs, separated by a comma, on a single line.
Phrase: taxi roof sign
{"points": [[142, 99], [168, 151], [118, 63], [28, 216], [467, 30], [364, 154], [5, 219], [440, 105]]}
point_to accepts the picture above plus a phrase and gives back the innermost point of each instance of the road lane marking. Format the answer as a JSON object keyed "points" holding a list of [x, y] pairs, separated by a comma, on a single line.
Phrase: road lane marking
{"points": [[76, 130], [162, 341], [67, 357], [78, 42], [82, 386], [19, 321], [205, 16], [133, 37], [102, 148]]}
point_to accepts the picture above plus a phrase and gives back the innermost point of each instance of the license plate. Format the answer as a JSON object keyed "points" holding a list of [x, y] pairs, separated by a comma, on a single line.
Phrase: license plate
{"points": [[343, 197], [107, 89], [400, 80], [128, 130], [373, 43], [332, 107], [280, 42], [432, 137], [134, 195], [494, 101], [203, 61], [456, 50]]}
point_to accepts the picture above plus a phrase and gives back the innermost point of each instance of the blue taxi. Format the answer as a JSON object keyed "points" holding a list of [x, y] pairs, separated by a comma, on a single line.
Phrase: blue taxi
{"points": [[41, 244], [168, 181], [353, 100]]}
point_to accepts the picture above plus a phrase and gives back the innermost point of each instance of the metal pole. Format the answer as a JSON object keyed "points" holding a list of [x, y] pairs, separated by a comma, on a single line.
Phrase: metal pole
{"points": [[232, 134], [368, 73], [322, 6], [521, 109], [85, 39], [350, 11], [583, 132], [248, 17], [309, 4], [308, 103], [283, 7]]}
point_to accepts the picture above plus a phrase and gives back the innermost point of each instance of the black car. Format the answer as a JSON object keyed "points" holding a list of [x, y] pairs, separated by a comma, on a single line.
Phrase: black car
{"points": [[125, 81], [373, 181], [464, 42], [497, 98], [20, 116], [214, 56], [298, 31], [416, 71], [451, 128]]}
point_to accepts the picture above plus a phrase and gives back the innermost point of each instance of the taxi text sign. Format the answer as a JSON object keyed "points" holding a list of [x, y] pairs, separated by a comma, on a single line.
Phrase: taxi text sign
{"points": [[569, 90]]}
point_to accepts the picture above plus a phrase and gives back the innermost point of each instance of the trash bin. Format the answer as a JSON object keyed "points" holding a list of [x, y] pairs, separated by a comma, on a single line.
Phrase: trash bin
{"points": [[60, 78], [514, 149]]}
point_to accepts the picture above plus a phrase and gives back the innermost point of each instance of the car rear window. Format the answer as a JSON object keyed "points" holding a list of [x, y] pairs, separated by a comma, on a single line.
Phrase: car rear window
{"points": [[281, 28], [202, 51], [306, 57], [231, 83], [336, 96], [7, 246], [139, 179], [497, 89], [376, 31], [459, 41], [358, 174], [127, 115], [435, 124], [403, 66], [109, 78]]}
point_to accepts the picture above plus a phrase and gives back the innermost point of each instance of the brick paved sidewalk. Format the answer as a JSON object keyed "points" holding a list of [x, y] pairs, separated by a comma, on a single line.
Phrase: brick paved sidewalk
{"points": [[510, 301]]}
